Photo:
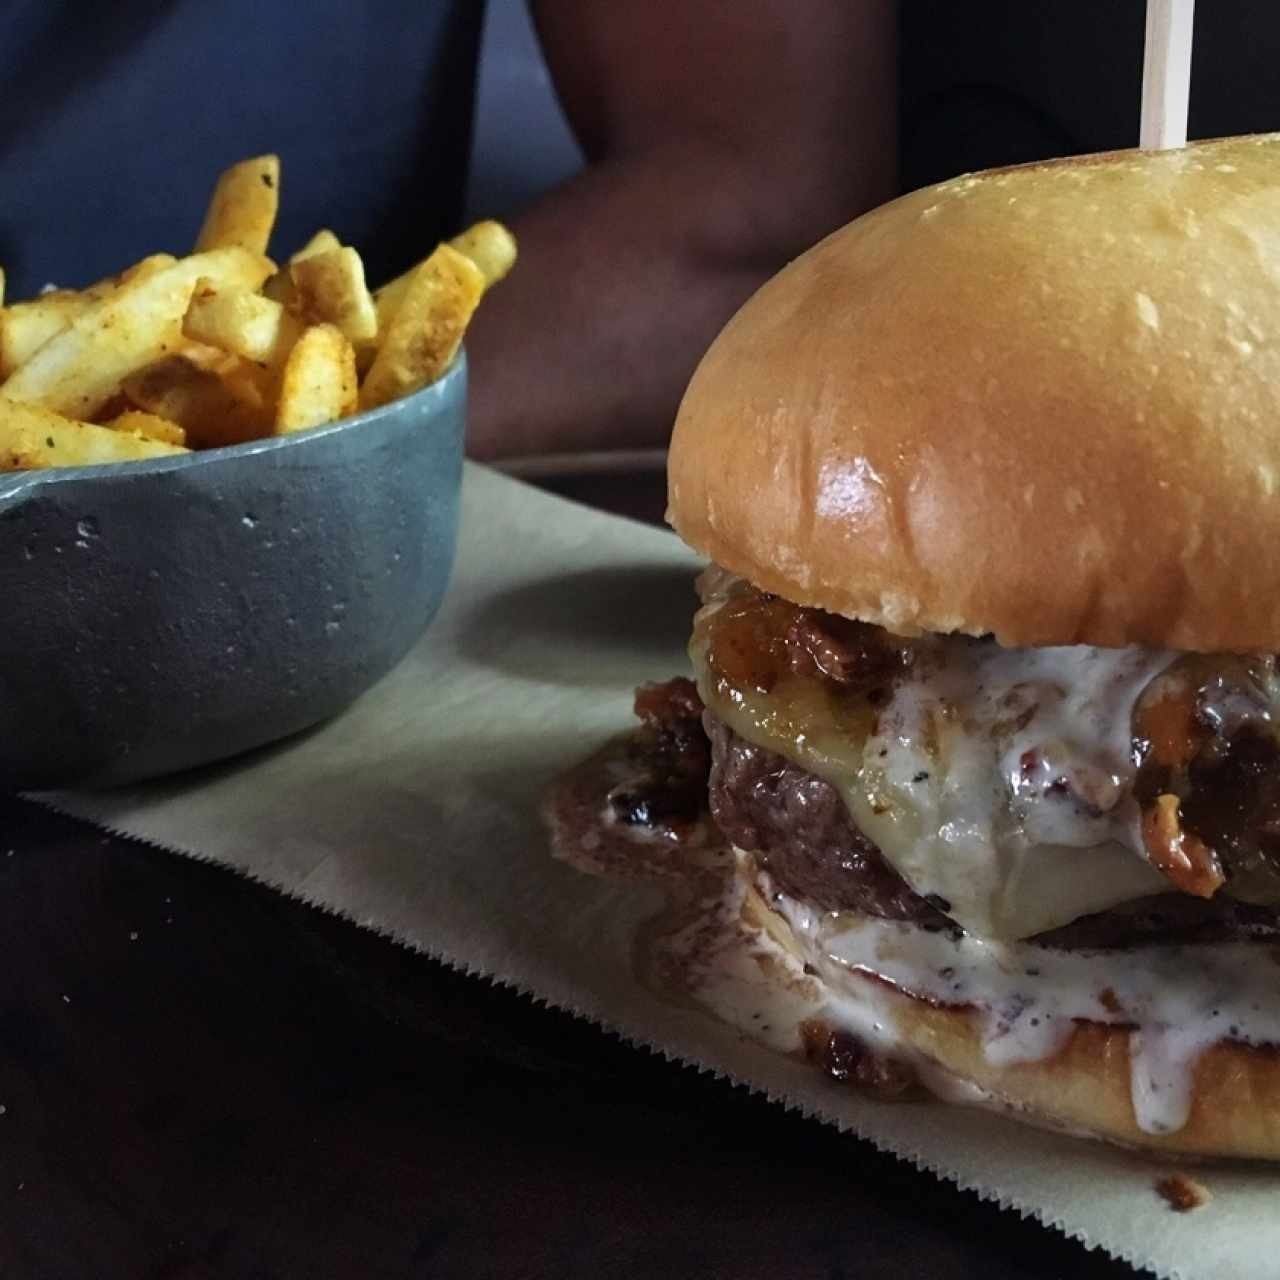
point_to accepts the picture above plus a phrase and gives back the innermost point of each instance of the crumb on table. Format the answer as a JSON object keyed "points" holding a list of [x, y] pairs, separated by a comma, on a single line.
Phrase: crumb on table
{"points": [[1182, 1194]]}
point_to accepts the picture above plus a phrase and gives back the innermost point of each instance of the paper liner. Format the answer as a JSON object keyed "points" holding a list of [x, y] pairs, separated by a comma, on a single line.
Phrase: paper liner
{"points": [[415, 814]]}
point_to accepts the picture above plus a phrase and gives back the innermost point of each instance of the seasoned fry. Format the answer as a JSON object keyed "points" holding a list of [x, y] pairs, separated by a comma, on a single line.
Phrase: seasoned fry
{"points": [[26, 326], [253, 386], [78, 370], [32, 437], [427, 327], [488, 244], [211, 408], [135, 422], [387, 299], [243, 208], [491, 247], [222, 347], [242, 322], [319, 380], [148, 266], [322, 242], [329, 287], [279, 288]]}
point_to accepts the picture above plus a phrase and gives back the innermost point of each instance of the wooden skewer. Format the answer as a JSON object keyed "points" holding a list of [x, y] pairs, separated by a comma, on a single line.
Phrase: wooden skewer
{"points": [[1166, 74]]}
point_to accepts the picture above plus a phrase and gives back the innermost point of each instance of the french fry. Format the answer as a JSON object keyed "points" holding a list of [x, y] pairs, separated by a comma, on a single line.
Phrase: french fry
{"points": [[491, 247], [136, 422], [76, 371], [388, 298], [242, 322], [329, 287], [212, 409], [26, 326], [255, 387], [319, 380], [322, 242], [148, 266], [488, 244], [33, 438], [222, 347], [426, 329], [279, 288], [243, 208]]}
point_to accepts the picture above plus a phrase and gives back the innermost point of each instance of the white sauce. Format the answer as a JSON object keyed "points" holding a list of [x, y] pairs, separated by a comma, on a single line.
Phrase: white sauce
{"points": [[1021, 816], [746, 978], [1178, 1000]]}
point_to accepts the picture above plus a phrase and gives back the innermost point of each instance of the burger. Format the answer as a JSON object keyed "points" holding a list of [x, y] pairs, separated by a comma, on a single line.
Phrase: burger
{"points": [[985, 698]]}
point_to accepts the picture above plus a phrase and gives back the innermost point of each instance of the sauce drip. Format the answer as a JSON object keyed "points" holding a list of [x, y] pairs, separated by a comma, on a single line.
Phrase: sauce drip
{"points": [[705, 946]]}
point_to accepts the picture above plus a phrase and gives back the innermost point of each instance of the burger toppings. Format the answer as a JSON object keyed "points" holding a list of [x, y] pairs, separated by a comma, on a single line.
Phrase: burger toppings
{"points": [[798, 829], [1184, 858], [995, 781], [762, 641], [1021, 788], [1178, 973], [1047, 838], [1208, 779]]}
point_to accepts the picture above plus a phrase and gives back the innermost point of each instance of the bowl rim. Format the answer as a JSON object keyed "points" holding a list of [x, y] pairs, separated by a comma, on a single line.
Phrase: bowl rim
{"points": [[444, 387]]}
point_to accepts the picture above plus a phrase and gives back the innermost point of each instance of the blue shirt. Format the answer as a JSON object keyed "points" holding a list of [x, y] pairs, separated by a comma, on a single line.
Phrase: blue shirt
{"points": [[116, 119]]}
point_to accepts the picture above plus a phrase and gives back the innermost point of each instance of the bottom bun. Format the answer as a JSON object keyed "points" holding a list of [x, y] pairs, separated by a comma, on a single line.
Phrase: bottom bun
{"points": [[1084, 1088], [1235, 1107]]}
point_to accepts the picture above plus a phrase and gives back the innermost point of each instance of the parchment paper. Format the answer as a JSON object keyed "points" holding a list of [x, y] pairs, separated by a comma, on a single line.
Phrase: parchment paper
{"points": [[415, 815]]}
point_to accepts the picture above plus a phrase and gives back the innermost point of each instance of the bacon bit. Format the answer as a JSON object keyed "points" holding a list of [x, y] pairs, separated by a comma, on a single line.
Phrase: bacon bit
{"points": [[1110, 1001], [1182, 1194], [1185, 859], [757, 639], [659, 705], [844, 651], [845, 1057]]}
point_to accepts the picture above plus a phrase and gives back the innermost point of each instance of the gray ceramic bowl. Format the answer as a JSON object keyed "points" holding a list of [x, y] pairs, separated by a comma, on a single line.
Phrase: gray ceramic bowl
{"points": [[162, 614]]}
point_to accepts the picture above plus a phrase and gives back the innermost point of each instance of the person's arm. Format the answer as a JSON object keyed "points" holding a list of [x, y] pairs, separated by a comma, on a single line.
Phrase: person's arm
{"points": [[723, 137]]}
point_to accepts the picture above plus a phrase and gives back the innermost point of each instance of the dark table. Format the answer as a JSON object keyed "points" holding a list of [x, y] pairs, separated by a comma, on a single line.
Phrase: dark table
{"points": [[200, 1078]]}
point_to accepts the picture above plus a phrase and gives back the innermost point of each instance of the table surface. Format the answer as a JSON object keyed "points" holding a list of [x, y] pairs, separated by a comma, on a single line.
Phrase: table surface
{"points": [[200, 1078]]}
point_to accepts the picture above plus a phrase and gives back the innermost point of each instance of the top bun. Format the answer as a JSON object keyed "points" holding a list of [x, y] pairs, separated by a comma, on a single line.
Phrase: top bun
{"points": [[1040, 402]]}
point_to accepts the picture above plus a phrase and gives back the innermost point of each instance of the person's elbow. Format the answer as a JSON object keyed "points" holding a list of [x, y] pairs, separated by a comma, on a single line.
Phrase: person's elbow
{"points": [[759, 207]]}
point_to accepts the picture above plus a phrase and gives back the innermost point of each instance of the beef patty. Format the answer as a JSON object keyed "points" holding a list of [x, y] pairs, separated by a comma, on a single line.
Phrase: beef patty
{"points": [[801, 832]]}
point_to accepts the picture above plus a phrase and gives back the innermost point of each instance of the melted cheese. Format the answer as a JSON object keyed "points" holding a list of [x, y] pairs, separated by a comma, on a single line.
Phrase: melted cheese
{"points": [[997, 781]]}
